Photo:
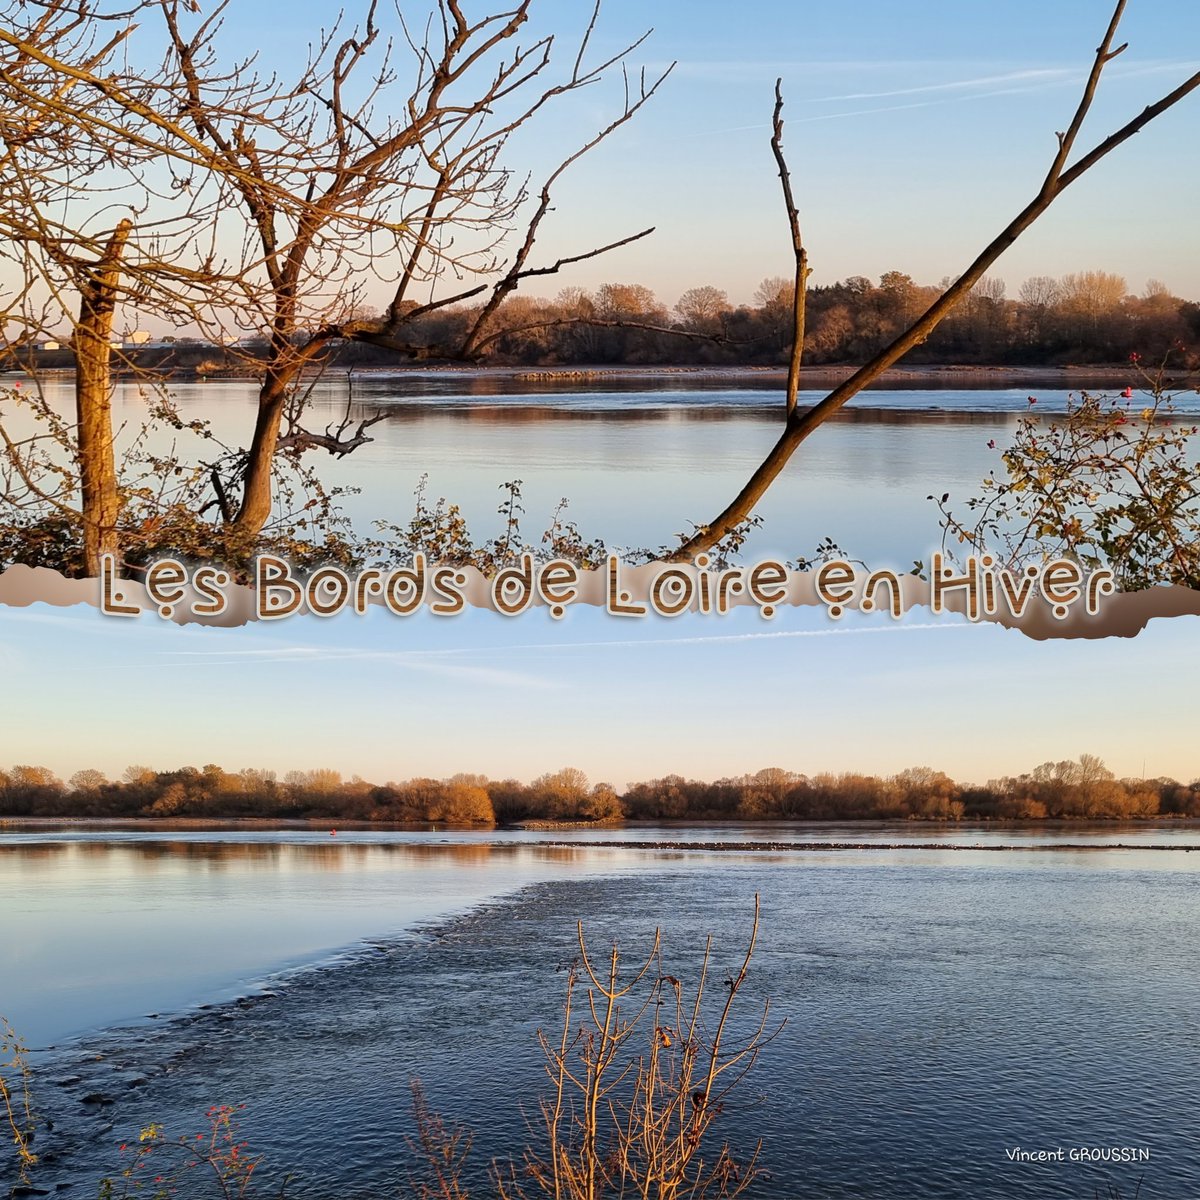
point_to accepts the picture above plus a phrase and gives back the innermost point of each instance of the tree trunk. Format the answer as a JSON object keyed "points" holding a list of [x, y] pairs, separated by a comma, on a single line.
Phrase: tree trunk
{"points": [[93, 404], [256, 498]]}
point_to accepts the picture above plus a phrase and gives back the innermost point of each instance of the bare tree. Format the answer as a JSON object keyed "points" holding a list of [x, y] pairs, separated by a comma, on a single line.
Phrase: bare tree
{"points": [[76, 168], [16, 1106], [382, 162], [1040, 291], [799, 424], [621, 1121], [702, 308]]}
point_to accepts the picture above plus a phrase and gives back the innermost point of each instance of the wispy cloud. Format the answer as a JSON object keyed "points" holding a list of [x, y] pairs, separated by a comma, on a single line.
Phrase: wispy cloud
{"points": [[1040, 77], [425, 662], [955, 91], [837, 116], [426, 658], [739, 70], [961, 91], [756, 70], [726, 638], [79, 616], [865, 112], [442, 661]]}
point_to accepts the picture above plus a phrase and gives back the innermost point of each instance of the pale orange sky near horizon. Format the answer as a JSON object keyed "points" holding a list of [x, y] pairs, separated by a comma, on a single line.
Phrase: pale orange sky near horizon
{"points": [[914, 133], [622, 700]]}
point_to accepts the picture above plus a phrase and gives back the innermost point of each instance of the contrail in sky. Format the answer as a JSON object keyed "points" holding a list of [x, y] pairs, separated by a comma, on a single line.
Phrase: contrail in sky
{"points": [[1047, 75], [332, 654]]}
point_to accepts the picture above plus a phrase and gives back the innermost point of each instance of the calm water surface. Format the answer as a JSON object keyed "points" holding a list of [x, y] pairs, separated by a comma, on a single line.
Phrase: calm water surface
{"points": [[639, 460], [941, 1005]]}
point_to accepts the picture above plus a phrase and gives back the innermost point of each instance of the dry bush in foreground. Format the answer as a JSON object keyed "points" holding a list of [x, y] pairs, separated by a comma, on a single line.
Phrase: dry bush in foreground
{"points": [[640, 1075], [14, 1096]]}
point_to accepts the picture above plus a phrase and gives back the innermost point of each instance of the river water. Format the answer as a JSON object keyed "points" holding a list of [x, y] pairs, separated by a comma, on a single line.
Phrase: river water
{"points": [[639, 459], [943, 1006]]}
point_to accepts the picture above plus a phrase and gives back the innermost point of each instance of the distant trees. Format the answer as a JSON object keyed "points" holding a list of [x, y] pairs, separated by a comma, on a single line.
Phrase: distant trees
{"points": [[629, 301], [565, 795], [1070, 790], [34, 787], [928, 795], [702, 308], [558, 794], [1086, 789], [87, 780], [1079, 789], [1084, 317], [460, 800]]}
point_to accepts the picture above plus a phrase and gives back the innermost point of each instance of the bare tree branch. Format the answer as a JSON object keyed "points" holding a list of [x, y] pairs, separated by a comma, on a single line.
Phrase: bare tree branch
{"points": [[332, 440], [800, 287], [801, 425]]}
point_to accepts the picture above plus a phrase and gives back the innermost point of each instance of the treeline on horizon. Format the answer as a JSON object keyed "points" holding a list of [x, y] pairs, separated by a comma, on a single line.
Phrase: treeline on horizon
{"points": [[1084, 317], [1082, 789]]}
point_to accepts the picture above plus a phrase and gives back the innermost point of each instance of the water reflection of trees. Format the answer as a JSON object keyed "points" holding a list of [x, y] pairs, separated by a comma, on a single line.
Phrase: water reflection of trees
{"points": [[151, 852], [32, 851], [527, 414], [560, 854]]}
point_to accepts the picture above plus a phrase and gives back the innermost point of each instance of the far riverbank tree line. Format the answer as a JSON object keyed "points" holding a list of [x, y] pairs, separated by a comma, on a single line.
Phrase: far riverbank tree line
{"points": [[1082, 789], [1082, 317]]}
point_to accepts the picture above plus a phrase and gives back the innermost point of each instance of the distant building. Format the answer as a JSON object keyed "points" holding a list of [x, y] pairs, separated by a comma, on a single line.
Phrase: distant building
{"points": [[139, 337]]}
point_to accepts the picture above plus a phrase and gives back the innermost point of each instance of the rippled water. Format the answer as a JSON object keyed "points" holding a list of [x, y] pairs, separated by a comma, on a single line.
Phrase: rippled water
{"points": [[941, 1006]]}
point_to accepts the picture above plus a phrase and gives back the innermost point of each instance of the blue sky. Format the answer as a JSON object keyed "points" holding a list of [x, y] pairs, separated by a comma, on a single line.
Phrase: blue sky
{"points": [[914, 133]]}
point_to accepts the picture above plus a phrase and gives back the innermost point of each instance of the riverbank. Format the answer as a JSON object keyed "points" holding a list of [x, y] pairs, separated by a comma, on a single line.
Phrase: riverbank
{"points": [[1070, 378], [899, 377], [735, 833], [972, 376]]}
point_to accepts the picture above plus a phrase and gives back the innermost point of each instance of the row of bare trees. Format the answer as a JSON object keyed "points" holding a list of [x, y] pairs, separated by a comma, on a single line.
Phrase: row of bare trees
{"points": [[144, 165], [1087, 317], [1069, 789], [463, 799], [1083, 317], [1082, 789]]}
